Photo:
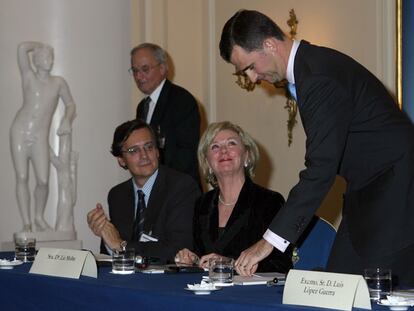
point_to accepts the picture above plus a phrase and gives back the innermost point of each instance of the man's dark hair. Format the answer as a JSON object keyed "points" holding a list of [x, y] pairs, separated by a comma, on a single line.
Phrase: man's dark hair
{"points": [[123, 131], [247, 29]]}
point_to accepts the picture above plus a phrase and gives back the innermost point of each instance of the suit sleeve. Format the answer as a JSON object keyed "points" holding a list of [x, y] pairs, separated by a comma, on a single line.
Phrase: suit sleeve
{"points": [[326, 112], [186, 137], [276, 261]]}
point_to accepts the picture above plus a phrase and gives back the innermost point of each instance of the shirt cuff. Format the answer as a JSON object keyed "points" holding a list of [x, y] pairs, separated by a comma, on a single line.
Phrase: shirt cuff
{"points": [[277, 241], [109, 250]]}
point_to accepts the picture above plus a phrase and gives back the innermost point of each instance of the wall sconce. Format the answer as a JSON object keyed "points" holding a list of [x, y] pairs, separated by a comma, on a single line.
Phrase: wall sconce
{"points": [[291, 104]]}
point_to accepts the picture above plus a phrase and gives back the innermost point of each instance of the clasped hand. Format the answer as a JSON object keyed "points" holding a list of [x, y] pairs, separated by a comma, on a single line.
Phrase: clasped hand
{"points": [[103, 228], [187, 257]]}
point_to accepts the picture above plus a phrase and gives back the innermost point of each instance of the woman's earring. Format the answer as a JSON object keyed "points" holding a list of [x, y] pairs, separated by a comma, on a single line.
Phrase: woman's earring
{"points": [[246, 163]]}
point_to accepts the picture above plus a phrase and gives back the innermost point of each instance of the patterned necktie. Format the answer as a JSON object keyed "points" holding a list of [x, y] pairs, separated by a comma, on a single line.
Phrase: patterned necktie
{"points": [[292, 90], [145, 108], [138, 228]]}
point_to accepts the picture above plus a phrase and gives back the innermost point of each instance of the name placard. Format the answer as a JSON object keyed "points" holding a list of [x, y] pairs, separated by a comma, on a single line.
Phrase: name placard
{"points": [[326, 290], [67, 263]]}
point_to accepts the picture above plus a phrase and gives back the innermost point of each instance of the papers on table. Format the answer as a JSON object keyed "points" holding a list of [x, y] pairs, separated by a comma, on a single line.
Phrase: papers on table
{"points": [[154, 269], [103, 257], [260, 278], [408, 293], [147, 238]]}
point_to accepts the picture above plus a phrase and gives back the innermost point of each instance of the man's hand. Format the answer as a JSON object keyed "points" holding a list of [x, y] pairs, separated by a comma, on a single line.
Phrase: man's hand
{"points": [[111, 236], [248, 260], [96, 219]]}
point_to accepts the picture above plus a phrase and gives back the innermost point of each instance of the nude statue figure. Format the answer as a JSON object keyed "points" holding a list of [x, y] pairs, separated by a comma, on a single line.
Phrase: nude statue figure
{"points": [[29, 133]]}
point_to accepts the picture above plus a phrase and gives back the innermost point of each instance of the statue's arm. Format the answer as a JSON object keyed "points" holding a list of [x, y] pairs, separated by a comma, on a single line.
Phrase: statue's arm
{"points": [[54, 159], [70, 109], [23, 58]]}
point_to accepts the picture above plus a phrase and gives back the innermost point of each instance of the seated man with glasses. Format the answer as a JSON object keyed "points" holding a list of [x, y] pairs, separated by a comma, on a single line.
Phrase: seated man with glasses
{"points": [[151, 212], [170, 109]]}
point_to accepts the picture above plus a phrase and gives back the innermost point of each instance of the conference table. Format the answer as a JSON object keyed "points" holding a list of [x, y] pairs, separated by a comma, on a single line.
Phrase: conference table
{"points": [[21, 290]]}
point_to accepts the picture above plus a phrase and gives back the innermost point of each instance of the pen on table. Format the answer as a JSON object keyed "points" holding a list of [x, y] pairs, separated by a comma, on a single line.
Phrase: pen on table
{"points": [[272, 282], [178, 263]]}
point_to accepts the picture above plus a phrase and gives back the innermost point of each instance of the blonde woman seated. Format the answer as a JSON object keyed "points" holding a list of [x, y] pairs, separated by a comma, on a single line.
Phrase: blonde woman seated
{"points": [[236, 213]]}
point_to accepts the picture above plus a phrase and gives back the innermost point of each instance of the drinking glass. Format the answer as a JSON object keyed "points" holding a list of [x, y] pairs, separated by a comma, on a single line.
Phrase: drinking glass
{"points": [[379, 282], [123, 262], [221, 270], [25, 249]]}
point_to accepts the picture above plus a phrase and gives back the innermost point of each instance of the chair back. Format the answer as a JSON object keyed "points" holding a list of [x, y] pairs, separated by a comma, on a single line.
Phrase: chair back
{"points": [[313, 248]]}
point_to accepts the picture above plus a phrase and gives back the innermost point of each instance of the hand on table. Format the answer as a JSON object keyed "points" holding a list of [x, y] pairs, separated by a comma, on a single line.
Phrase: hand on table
{"points": [[249, 259], [186, 257]]}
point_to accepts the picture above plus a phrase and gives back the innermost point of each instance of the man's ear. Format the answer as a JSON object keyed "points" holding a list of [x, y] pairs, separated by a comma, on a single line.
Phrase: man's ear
{"points": [[164, 69], [122, 163], [157, 153], [270, 45]]}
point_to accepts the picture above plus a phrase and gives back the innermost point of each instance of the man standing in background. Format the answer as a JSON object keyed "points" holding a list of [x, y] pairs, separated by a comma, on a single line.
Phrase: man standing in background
{"points": [[170, 109]]}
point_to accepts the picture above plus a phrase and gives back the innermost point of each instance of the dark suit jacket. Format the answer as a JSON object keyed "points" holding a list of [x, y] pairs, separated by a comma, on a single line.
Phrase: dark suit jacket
{"points": [[168, 215], [354, 129], [255, 208], [176, 115]]}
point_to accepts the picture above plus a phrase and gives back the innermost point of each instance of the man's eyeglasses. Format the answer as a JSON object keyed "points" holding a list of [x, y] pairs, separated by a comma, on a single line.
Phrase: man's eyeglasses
{"points": [[243, 80], [134, 150], [242, 72], [133, 71]]}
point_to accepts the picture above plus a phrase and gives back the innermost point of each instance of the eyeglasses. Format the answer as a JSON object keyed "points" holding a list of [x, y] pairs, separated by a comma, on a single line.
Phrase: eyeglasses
{"points": [[133, 71], [134, 150], [243, 80], [242, 72]]}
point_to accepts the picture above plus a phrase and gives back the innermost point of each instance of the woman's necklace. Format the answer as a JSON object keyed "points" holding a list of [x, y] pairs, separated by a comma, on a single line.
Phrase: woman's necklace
{"points": [[224, 203]]}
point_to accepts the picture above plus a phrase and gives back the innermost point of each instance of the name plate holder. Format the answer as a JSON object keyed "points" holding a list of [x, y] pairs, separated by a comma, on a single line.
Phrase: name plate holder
{"points": [[326, 290], [67, 263]]}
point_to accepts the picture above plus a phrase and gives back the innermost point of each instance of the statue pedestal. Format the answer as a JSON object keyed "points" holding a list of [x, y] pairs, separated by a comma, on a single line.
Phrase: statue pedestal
{"points": [[75, 244], [48, 235], [54, 239]]}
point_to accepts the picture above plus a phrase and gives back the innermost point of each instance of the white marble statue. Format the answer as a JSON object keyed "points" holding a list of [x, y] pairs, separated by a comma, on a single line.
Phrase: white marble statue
{"points": [[29, 133], [66, 167]]}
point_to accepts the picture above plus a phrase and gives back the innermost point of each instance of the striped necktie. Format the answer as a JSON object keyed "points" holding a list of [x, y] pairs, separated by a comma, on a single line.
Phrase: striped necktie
{"points": [[138, 228]]}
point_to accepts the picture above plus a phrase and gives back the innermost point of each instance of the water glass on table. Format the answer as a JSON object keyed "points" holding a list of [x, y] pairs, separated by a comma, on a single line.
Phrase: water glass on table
{"points": [[221, 270], [123, 262], [25, 248], [379, 281]]}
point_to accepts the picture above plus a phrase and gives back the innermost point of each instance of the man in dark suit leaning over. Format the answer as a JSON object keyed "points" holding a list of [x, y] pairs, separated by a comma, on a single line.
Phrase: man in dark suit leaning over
{"points": [[354, 129], [170, 109], [151, 212]]}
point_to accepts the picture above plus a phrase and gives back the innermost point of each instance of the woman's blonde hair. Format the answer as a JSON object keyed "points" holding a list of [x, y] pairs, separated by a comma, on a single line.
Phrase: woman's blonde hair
{"points": [[205, 142]]}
